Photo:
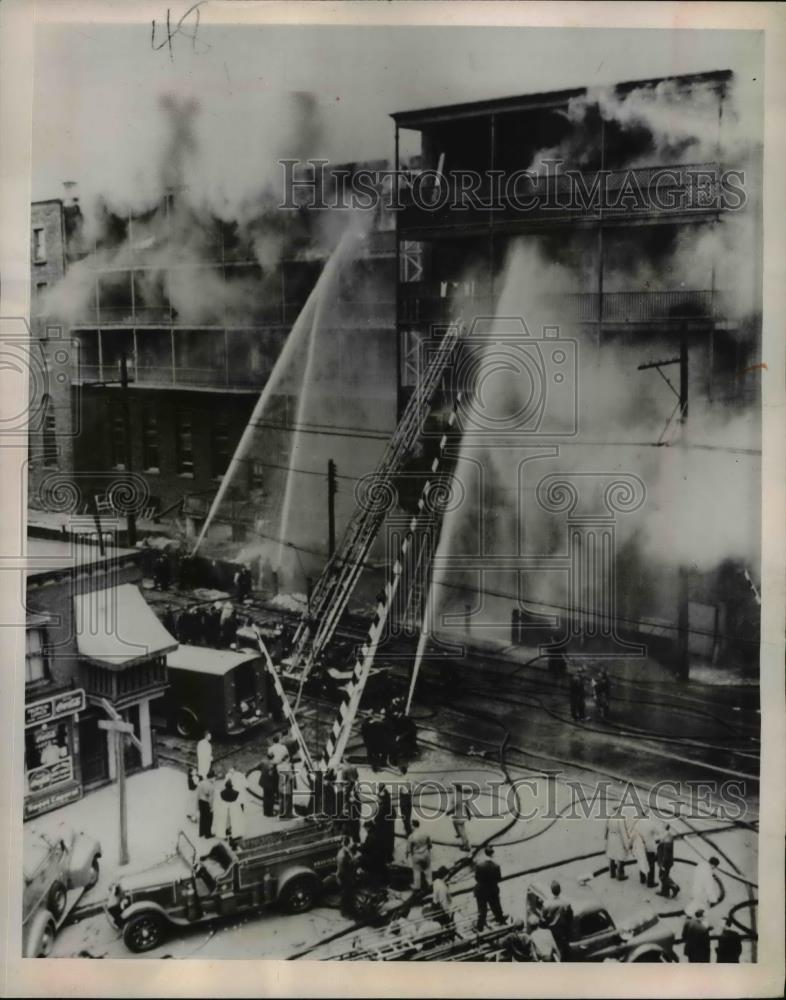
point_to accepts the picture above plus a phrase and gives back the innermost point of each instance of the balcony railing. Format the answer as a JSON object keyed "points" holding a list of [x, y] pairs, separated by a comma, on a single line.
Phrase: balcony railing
{"points": [[579, 307], [666, 191], [115, 685]]}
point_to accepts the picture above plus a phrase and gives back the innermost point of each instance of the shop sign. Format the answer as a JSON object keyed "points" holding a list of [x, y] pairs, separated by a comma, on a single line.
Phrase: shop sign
{"points": [[59, 705]]}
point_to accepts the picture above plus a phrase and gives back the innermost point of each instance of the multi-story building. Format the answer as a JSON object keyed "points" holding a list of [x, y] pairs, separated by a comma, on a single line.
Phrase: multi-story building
{"points": [[95, 650], [579, 213], [51, 439], [200, 311]]}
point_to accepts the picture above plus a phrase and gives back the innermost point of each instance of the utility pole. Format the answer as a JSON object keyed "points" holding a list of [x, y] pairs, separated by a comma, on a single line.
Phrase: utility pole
{"points": [[331, 507], [683, 575], [119, 730], [130, 517]]}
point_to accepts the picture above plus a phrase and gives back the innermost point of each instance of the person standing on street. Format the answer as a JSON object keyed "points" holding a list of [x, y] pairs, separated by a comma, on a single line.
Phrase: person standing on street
{"points": [[644, 845], [385, 822], [664, 855], [204, 797], [576, 684], [286, 788], [557, 916], [696, 938], [204, 751], [220, 827], [602, 687], [204, 763], [354, 813], [461, 816], [617, 845], [346, 876], [441, 899], [372, 854], [405, 800], [239, 783], [729, 946], [231, 796], [487, 879], [419, 854], [268, 779]]}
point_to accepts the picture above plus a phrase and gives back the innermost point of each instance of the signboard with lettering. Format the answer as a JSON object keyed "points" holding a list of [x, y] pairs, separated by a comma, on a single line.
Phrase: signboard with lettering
{"points": [[56, 707], [35, 807], [39, 778]]}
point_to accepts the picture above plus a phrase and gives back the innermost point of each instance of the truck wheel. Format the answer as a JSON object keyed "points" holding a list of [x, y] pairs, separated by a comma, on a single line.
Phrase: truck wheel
{"points": [[187, 723], [300, 894], [57, 899], [42, 936], [92, 875], [144, 931]]}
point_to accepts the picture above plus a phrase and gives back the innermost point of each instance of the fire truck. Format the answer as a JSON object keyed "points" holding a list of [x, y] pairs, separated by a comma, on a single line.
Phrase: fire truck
{"points": [[284, 869]]}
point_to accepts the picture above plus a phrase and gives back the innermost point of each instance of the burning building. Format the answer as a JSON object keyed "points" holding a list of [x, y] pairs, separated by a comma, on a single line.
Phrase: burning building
{"points": [[604, 220], [196, 304]]}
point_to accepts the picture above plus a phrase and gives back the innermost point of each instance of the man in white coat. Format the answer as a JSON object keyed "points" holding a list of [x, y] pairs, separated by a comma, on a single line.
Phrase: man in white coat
{"points": [[204, 755], [644, 839], [617, 845], [706, 892], [204, 750]]}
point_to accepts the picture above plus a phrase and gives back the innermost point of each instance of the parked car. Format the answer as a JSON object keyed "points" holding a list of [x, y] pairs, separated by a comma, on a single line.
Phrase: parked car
{"points": [[58, 868], [594, 936], [285, 869]]}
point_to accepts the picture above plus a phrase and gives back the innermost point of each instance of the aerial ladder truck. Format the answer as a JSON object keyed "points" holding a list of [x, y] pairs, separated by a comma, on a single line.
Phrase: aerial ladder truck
{"points": [[341, 574]]}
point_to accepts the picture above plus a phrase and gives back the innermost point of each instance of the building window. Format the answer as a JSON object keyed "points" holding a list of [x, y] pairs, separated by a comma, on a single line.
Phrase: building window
{"points": [[185, 453], [117, 429], [39, 245], [150, 441], [36, 660], [220, 452], [49, 433]]}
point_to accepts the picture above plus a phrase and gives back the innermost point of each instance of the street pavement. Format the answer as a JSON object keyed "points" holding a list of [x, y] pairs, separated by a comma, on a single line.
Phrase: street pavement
{"points": [[563, 848]]}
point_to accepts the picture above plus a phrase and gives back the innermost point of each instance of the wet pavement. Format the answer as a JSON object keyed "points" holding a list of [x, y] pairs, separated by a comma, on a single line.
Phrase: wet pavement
{"points": [[509, 721]]}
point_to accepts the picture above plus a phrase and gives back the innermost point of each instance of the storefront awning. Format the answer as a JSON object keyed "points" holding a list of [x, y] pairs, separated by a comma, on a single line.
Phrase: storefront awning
{"points": [[116, 628]]}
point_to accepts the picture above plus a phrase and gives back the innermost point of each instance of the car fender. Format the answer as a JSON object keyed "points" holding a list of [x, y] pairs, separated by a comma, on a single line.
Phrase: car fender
{"points": [[649, 948], [289, 874], [83, 853], [36, 929], [143, 906]]}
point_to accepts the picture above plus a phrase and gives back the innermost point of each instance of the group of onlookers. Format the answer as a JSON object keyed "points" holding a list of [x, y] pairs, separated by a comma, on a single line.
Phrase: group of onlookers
{"points": [[219, 801]]}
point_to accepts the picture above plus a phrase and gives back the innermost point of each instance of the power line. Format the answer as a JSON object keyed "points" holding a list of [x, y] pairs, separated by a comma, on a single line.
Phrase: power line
{"points": [[289, 468], [323, 429]]}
